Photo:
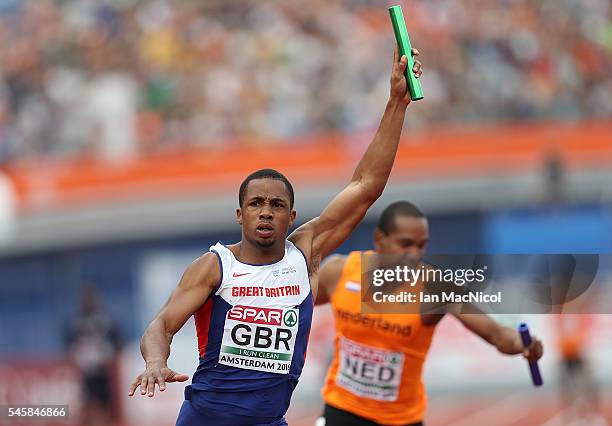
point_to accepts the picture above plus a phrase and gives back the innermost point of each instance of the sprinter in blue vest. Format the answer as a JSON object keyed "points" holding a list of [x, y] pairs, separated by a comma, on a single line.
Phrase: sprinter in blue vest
{"points": [[253, 300]]}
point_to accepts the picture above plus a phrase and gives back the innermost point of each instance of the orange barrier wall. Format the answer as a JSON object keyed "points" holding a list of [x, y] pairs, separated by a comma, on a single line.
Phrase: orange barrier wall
{"points": [[449, 152]]}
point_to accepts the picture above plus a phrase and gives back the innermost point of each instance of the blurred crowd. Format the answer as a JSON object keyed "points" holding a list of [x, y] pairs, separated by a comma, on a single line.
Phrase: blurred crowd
{"points": [[118, 78]]}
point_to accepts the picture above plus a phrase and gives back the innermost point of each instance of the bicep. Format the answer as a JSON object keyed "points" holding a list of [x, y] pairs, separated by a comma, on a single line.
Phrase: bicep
{"points": [[194, 288]]}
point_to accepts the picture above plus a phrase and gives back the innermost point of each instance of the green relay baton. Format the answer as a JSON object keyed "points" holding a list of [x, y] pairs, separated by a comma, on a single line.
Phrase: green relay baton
{"points": [[403, 43]]}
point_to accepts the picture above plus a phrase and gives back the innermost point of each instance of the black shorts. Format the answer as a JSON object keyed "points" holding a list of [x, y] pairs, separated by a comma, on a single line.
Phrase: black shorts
{"points": [[336, 417], [97, 388], [572, 365]]}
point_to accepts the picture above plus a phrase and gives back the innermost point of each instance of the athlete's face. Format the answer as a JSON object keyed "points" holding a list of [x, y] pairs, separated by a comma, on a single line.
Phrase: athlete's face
{"points": [[265, 214], [409, 237]]}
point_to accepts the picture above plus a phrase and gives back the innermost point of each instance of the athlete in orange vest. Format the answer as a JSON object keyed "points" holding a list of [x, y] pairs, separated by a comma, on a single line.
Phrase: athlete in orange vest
{"points": [[579, 392], [375, 376]]}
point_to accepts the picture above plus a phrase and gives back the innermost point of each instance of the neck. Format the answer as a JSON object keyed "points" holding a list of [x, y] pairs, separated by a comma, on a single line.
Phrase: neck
{"points": [[250, 253]]}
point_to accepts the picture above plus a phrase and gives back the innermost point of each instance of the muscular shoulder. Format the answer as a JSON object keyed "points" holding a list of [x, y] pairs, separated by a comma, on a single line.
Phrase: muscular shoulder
{"points": [[203, 271], [433, 312], [334, 264], [329, 275], [302, 238], [303, 235]]}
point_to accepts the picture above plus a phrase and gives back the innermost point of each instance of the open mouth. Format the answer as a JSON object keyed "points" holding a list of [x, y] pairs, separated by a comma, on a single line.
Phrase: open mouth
{"points": [[264, 230]]}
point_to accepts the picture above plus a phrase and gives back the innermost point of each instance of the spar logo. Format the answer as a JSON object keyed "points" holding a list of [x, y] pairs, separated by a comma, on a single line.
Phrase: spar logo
{"points": [[255, 315], [394, 359], [290, 318], [260, 329]]}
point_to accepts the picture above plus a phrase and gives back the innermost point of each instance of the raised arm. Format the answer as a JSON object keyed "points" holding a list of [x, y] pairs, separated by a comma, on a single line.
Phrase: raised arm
{"points": [[325, 233], [195, 286]]}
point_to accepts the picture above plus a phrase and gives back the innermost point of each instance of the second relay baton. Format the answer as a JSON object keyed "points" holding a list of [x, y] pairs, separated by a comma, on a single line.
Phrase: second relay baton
{"points": [[536, 377], [404, 47]]}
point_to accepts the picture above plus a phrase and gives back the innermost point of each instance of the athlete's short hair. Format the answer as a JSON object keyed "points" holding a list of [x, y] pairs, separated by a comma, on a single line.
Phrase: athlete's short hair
{"points": [[265, 174], [386, 221]]}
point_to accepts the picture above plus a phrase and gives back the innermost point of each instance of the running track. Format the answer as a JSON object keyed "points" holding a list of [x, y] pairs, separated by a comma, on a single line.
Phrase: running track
{"points": [[499, 409]]}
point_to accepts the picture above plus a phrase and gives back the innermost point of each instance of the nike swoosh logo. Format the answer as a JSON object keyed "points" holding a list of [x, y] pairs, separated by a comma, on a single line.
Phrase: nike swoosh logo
{"points": [[240, 275]]}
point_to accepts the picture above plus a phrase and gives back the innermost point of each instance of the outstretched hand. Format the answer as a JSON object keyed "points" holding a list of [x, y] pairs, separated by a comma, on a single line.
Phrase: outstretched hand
{"points": [[155, 373], [399, 85]]}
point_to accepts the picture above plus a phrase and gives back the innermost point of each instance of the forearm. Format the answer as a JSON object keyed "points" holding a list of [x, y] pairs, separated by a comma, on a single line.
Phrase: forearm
{"points": [[155, 342], [375, 166], [507, 340]]}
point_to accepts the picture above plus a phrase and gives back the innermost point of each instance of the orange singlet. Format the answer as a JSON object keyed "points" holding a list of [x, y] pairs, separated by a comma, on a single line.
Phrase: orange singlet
{"points": [[378, 360], [573, 334]]}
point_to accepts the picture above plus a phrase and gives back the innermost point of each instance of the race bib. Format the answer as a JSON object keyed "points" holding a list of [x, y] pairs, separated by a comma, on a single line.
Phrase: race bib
{"points": [[369, 372], [259, 339]]}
